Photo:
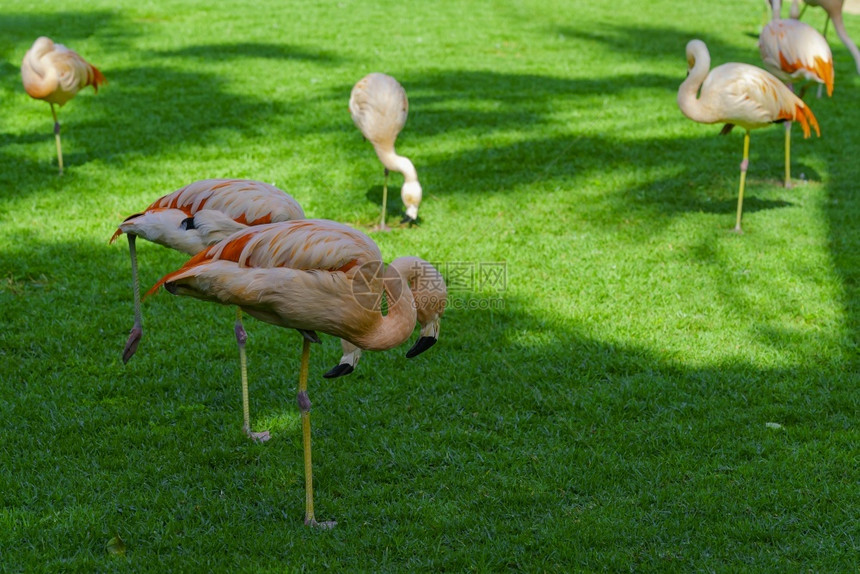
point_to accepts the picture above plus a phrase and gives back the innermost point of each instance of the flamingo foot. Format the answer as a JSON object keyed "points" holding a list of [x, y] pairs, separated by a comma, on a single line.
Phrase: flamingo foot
{"points": [[324, 525], [261, 436], [738, 230], [381, 227], [131, 344]]}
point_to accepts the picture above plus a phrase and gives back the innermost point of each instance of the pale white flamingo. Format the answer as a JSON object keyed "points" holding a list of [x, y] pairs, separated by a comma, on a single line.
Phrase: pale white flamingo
{"points": [[738, 94], [834, 13], [379, 107], [310, 275], [54, 73], [797, 54], [195, 217]]}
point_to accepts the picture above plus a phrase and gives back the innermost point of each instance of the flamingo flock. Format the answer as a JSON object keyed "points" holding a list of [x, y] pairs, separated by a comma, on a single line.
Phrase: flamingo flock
{"points": [[795, 55], [252, 246]]}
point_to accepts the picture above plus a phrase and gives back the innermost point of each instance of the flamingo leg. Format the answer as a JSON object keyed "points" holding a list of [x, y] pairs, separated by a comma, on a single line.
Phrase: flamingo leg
{"points": [[241, 337], [57, 136], [305, 408], [382, 226], [137, 330], [787, 155], [744, 165]]}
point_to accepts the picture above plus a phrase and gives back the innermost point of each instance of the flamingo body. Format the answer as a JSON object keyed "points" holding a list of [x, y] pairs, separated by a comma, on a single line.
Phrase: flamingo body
{"points": [[54, 73], [743, 95], [738, 94], [798, 55], [796, 52], [217, 208], [834, 13], [195, 217], [379, 108], [311, 275]]}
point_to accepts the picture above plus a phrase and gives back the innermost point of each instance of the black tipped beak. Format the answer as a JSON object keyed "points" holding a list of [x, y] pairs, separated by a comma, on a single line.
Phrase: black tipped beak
{"points": [[408, 220], [310, 335], [420, 346], [339, 371]]}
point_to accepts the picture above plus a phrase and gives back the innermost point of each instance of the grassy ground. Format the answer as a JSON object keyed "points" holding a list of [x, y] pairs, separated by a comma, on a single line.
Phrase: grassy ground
{"points": [[644, 391]]}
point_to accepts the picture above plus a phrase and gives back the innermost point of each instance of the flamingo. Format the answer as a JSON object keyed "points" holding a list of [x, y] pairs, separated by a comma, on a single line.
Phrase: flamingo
{"points": [[310, 275], [834, 13], [379, 107], [54, 73], [195, 217], [795, 53], [738, 94]]}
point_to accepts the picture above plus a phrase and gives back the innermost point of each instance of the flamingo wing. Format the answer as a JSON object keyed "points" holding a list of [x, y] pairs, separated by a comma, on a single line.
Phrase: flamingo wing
{"points": [[793, 50], [753, 98], [54, 73], [305, 245], [219, 208], [245, 201]]}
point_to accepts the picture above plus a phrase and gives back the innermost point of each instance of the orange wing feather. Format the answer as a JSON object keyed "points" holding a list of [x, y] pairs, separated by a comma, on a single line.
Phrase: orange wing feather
{"points": [[308, 244]]}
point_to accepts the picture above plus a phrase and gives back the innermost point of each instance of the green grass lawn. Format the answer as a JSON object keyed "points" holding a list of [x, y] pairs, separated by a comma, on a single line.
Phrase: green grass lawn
{"points": [[641, 389]]}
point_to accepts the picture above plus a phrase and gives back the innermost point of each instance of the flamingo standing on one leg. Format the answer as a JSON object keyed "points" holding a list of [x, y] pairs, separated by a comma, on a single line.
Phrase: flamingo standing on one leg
{"points": [[195, 217], [54, 73], [311, 275], [834, 13], [738, 94], [797, 54], [379, 107]]}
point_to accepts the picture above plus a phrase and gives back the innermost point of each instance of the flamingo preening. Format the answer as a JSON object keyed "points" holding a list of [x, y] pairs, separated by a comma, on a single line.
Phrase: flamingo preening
{"points": [[738, 94], [54, 73], [310, 275], [195, 217], [834, 13], [799, 55], [379, 108]]}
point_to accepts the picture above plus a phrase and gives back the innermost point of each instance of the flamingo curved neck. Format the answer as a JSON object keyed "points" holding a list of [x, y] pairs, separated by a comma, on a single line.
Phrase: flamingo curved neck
{"points": [[688, 99], [398, 163], [394, 328], [776, 5]]}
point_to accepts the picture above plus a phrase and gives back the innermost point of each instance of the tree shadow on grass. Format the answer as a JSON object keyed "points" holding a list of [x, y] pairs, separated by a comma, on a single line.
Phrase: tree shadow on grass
{"points": [[221, 52], [516, 417], [64, 27]]}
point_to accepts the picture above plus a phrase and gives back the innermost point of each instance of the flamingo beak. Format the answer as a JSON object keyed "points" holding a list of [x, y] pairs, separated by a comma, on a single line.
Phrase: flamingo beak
{"points": [[339, 371], [421, 345]]}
